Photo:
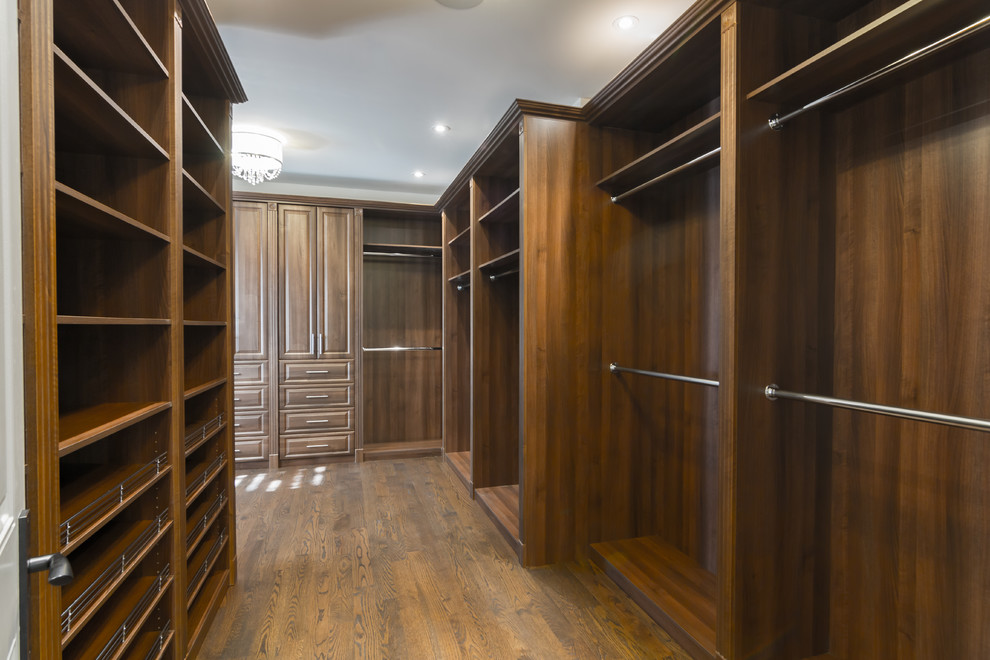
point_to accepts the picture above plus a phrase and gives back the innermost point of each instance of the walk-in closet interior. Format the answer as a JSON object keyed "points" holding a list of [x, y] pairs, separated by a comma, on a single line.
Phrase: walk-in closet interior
{"points": [[721, 332]]}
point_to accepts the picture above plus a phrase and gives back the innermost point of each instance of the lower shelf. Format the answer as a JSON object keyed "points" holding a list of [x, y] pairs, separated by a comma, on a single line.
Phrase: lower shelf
{"points": [[670, 586], [205, 607], [372, 451], [501, 503], [460, 463]]}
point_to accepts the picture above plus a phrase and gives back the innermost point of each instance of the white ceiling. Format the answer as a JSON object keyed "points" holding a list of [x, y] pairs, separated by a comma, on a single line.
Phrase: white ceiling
{"points": [[354, 86]]}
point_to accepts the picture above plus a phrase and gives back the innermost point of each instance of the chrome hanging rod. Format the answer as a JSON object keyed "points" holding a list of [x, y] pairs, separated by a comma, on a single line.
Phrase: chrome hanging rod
{"points": [[392, 349], [667, 175], [496, 276], [401, 254], [466, 285], [616, 369], [777, 121], [773, 393]]}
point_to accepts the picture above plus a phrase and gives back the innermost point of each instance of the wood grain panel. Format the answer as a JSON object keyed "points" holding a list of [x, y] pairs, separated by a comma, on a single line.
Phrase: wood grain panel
{"points": [[402, 302], [402, 397], [336, 283], [251, 288], [298, 268], [457, 333]]}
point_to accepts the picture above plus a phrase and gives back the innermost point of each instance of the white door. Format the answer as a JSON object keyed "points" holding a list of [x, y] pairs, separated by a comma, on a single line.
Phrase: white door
{"points": [[11, 355]]}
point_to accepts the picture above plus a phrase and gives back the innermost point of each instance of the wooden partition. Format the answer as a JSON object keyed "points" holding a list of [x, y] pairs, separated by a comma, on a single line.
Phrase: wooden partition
{"points": [[125, 112]]}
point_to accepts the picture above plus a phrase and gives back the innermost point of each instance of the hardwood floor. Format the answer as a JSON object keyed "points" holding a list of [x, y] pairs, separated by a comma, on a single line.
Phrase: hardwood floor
{"points": [[393, 560]]}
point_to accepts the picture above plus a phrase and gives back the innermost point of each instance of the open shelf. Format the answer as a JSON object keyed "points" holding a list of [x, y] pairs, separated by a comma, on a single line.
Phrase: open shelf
{"points": [[90, 217], [670, 586], [911, 26], [204, 291], [200, 518], [462, 237], [501, 263], [135, 603], [198, 434], [460, 278], [92, 498], [402, 250], [103, 563], [201, 476], [205, 606], [200, 388], [501, 503], [205, 559], [196, 198], [402, 449], [87, 120], [196, 135], [700, 139], [65, 319], [127, 52], [84, 426], [505, 211], [195, 258], [153, 644], [460, 462]]}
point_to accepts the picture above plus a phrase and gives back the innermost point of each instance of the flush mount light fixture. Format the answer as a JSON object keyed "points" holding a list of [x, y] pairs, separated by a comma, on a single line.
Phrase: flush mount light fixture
{"points": [[460, 4], [255, 156], [441, 128], [625, 23], [419, 174]]}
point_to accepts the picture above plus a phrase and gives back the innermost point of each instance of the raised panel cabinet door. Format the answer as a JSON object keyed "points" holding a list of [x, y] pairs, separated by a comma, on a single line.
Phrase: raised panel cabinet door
{"points": [[297, 282], [250, 281], [336, 284]]}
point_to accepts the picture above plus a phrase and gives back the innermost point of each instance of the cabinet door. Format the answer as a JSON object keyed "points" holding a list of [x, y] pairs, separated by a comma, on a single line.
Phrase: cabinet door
{"points": [[250, 281], [336, 284], [297, 282]]}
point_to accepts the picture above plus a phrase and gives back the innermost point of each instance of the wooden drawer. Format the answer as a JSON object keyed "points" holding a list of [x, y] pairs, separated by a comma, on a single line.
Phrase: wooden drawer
{"points": [[246, 373], [315, 421], [296, 396], [251, 398], [333, 443], [309, 371], [250, 423], [249, 450]]}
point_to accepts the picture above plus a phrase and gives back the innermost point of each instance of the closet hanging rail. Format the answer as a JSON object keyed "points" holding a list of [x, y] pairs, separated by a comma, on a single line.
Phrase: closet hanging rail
{"points": [[773, 392], [777, 121], [616, 369], [495, 276], [462, 287], [666, 175], [404, 255], [391, 349]]}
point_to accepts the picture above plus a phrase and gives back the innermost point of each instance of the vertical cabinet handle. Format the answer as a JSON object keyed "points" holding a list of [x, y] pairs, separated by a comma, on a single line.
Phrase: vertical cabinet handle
{"points": [[312, 338], [321, 344]]}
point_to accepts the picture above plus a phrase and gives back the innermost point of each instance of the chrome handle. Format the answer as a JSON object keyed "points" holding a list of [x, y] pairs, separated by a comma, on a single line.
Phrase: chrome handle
{"points": [[317, 421], [236, 399], [236, 425], [317, 396], [237, 373], [325, 371], [316, 446], [321, 344], [312, 338]]}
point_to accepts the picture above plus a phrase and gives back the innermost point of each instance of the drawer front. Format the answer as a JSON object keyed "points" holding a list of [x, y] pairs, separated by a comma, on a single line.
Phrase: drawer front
{"points": [[317, 371], [295, 396], [246, 373], [250, 398], [334, 443], [249, 423], [249, 450], [315, 421]]}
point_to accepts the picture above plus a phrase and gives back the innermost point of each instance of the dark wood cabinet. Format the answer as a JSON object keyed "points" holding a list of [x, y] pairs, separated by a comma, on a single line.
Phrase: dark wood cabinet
{"points": [[252, 306]]}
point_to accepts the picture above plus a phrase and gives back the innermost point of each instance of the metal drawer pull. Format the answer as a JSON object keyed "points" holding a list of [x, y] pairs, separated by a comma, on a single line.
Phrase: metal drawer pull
{"points": [[237, 451], [236, 425], [316, 446], [236, 399], [317, 421], [237, 373], [325, 371], [317, 396]]}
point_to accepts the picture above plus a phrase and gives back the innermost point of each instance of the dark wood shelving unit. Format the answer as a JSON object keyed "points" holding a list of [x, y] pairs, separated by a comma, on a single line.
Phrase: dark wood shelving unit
{"points": [[501, 503], [463, 236], [196, 136], [204, 515], [128, 51], [90, 217], [82, 427], [404, 249], [505, 211], [202, 475], [198, 259], [200, 388], [460, 278], [460, 461], [196, 198], [500, 263]]}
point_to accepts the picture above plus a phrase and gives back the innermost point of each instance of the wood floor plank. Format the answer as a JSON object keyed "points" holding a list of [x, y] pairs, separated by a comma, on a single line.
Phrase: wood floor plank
{"points": [[393, 559]]}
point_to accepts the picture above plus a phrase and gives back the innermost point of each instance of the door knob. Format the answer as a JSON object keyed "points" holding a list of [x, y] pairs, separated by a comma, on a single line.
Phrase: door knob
{"points": [[58, 567]]}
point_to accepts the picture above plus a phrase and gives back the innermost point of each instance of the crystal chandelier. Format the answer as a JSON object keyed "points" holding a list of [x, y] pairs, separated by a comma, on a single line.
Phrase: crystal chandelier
{"points": [[255, 157]]}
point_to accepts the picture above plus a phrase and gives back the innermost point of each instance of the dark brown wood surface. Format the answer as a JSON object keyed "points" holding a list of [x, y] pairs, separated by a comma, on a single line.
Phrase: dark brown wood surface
{"points": [[404, 564], [456, 334], [402, 396], [336, 278], [297, 297], [251, 283], [402, 302]]}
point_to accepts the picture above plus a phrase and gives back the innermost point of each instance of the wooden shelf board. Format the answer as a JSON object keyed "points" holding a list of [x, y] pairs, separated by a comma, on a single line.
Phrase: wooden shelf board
{"points": [[83, 427], [211, 477], [88, 571], [376, 450], [405, 249], [464, 233], [195, 196], [208, 562], [505, 211], [912, 25], [460, 276], [197, 138], [76, 495], [127, 52], [89, 121], [501, 262], [146, 641], [67, 319], [196, 258], [95, 218], [695, 141], [501, 503], [206, 528], [203, 440], [205, 609], [460, 463], [196, 390], [670, 586], [204, 324]]}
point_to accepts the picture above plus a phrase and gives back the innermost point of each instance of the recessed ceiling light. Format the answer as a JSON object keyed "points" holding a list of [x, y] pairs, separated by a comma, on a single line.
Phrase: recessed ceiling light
{"points": [[419, 174], [441, 128], [625, 22], [460, 4]]}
